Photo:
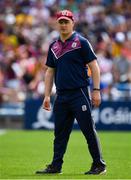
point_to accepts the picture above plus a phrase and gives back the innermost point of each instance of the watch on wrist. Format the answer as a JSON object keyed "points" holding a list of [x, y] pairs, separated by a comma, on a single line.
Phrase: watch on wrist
{"points": [[96, 89]]}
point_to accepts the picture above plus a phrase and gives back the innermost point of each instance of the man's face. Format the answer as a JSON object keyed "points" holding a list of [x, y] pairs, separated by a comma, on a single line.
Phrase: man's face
{"points": [[65, 26]]}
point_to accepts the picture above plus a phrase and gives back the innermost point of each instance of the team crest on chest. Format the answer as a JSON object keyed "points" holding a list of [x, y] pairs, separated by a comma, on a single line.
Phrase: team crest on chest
{"points": [[74, 44]]}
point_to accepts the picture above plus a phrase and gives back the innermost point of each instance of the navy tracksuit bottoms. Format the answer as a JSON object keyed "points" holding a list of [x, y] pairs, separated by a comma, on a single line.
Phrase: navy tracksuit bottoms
{"points": [[69, 105]]}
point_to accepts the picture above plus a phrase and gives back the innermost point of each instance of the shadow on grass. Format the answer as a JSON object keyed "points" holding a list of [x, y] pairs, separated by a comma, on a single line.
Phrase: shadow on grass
{"points": [[51, 176], [59, 176]]}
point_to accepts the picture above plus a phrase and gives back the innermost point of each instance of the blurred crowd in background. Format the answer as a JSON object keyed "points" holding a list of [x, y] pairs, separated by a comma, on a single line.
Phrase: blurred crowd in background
{"points": [[27, 27]]}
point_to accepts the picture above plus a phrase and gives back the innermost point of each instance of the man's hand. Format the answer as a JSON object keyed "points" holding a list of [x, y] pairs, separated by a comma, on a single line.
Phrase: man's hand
{"points": [[96, 98], [46, 104]]}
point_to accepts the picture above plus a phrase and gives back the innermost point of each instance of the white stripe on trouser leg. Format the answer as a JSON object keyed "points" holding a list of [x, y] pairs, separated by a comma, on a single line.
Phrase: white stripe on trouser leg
{"points": [[86, 99]]}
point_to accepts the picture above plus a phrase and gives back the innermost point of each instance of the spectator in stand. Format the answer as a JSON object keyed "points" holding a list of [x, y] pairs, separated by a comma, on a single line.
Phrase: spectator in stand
{"points": [[105, 62], [122, 69]]}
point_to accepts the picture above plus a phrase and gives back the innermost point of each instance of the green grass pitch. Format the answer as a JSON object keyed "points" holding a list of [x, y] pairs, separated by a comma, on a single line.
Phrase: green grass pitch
{"points": [[24, 152]]}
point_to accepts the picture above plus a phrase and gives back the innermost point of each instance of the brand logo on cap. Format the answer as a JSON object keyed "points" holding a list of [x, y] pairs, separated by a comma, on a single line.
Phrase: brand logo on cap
{"points": [[65, 13]]}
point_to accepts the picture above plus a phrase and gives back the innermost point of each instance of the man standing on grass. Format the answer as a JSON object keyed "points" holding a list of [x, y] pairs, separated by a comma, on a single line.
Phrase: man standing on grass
{"points": [[67, 62]]}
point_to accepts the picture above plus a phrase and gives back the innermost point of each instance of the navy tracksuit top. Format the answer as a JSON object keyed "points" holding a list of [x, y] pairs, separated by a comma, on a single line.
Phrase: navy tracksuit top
{"points": [[69, 59]]}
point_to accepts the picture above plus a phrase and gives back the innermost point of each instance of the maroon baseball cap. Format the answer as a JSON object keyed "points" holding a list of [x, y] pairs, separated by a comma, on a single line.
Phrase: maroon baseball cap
{"points": [[65, 14]]}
